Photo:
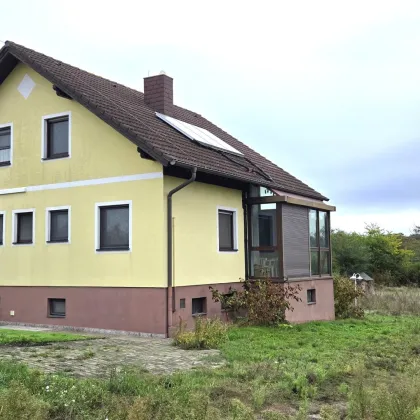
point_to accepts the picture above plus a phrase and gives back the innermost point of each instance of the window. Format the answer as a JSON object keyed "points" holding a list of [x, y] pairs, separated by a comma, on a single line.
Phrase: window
{"points": [[2, 224], [311, 295], [182, 303], [114, 226], [319, 237], [57, 308], [58, 226], [5, 145], [23, 227], [224, 303], [227, 229], [199, 306], [56, 136], [266, 236]]}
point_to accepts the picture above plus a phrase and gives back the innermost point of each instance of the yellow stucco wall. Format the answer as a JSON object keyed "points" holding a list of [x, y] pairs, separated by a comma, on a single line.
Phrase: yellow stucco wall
{"points": [[196, 257], [97, 151]]}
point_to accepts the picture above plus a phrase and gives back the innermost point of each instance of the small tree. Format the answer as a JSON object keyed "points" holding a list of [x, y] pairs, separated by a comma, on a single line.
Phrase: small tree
{"points": [[264, 301], [346, 296]]}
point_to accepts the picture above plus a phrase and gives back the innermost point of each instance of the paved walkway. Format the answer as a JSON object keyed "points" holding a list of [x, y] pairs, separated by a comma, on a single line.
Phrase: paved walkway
{"points": [[96, 357]]}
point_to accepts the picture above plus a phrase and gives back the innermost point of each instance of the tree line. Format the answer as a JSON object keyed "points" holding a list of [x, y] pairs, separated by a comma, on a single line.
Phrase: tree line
{"points": [[390, 258]]}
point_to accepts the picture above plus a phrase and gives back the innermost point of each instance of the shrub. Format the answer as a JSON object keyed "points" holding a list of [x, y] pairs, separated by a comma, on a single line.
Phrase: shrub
{"points": [[347, 298], [208, 333], [264, 301], [16, 402]]}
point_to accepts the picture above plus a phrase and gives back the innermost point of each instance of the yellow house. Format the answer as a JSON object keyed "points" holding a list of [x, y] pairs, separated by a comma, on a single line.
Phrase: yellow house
{"points": [[119, 209]]}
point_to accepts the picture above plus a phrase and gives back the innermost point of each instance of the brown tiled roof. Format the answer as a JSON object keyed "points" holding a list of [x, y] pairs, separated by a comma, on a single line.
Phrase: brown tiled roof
{"points": [[124, 109]]}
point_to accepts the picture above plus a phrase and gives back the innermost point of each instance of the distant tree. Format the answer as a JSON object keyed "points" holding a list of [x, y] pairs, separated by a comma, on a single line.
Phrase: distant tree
{"points": [[350, 252]]}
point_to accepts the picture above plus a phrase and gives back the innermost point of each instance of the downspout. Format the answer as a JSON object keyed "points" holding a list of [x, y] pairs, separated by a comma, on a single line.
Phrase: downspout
{"points": [[170, 263]]}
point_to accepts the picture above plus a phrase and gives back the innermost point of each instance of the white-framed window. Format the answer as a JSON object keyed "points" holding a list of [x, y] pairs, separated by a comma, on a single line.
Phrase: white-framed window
{"points": [[113, 226], [6, 144], [58, 224], [2, 227], [23, 229], [227, 229], [56, 136]]}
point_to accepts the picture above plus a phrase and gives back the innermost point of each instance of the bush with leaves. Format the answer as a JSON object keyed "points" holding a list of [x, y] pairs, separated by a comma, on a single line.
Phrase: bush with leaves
{"points": [[264, 300], [347, 298], [208, 333]]}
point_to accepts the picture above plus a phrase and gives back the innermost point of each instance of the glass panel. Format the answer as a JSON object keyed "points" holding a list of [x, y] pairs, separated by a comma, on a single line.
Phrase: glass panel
{"points": [[325, 262], [264, 264], [198, 305], [59, 225], [311, 295], [24, 228], [58, 307], [314, 263], [58, 137], [4, 138], [312, 228], [114, 227], [263, 226], [4, 155], [225, 230], [323, 229], [1, 229]]}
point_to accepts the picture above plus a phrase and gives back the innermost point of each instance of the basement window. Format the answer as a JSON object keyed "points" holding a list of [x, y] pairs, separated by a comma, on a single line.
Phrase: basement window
{"points": [[199, 306], [56, 141], [5, 145], [57, 308], [311, 296], [182, 303]]}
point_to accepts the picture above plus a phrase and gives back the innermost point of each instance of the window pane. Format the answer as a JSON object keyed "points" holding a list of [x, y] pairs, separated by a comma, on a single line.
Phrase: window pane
{"points": [[24, 227], [199, 305], [114, 227], [325, 262], [59, 225], [5, 134], [311, 295], [225, 230], [314, 263], [5, 145], [58, 137], [1, 229], [264, 264], [323, 229], [57, 306], [263, 226], [312, 228]]}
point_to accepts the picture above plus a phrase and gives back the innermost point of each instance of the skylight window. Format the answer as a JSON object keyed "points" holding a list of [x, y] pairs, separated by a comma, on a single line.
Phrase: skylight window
{"points": [[198, 134]]}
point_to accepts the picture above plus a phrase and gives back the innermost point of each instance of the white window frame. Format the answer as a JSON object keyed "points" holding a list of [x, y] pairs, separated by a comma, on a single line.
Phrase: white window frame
{"points": [[14, 226], [235, 229], [11, 143], [48, 211], [3, 239], [98, 227], [44, 133]]}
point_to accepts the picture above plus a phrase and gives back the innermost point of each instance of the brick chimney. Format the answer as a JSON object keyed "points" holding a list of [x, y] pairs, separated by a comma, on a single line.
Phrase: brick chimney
{"points": [[159, 93]]}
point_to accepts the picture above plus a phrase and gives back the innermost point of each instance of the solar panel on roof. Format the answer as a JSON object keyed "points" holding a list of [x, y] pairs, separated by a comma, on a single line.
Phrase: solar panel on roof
{"points": [[198, 134]]}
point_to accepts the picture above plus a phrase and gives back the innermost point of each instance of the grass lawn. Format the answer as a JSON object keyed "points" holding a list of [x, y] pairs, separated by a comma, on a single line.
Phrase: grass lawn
{"points": [[371, 366], [35, 338]]}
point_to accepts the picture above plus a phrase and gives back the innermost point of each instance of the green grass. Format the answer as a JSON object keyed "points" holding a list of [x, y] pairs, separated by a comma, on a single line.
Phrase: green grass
{"points": [[35, 338], [269, 372]]}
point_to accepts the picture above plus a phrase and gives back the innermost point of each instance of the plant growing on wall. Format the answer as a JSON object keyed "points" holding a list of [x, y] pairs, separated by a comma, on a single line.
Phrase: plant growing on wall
{"points": [[264, 300]]}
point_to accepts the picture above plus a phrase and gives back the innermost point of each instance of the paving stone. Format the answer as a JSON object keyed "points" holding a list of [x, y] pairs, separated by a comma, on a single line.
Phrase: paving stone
{"points": [[94, 358]]}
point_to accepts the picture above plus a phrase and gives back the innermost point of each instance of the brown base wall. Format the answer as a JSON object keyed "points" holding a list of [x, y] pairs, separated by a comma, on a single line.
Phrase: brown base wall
{"points": [[322, 310], [127, 309], [140, 310]]}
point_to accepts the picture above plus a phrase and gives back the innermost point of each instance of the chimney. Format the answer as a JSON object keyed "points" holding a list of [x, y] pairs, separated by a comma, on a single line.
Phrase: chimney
{"points": [[159, 93]]}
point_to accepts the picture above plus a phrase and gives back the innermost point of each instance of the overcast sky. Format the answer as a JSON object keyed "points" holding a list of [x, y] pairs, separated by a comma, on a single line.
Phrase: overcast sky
{"points": [[328, 90]]}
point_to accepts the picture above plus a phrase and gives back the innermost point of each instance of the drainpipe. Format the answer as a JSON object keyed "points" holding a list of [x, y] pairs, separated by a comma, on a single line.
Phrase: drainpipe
{"points": [[169, 223]]}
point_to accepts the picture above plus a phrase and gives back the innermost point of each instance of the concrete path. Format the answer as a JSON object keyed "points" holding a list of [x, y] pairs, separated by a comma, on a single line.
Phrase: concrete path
{"points": [[94, 358]]}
